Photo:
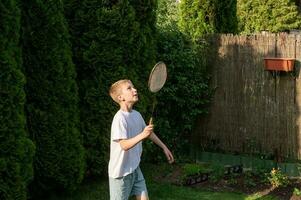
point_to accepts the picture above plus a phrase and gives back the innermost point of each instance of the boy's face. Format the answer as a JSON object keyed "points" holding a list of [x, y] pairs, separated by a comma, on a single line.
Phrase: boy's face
{"points": [[128, 93]]}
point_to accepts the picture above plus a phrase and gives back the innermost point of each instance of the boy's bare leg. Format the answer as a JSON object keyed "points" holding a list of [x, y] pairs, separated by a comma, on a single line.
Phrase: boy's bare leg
{"points": [[142, 198]]}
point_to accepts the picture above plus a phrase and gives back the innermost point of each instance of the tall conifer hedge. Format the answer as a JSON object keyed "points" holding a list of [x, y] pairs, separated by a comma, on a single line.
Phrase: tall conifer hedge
{"points": [[112, 40], [267, 15], [186, 93], [200, 17], [16, 150], [52, 97], [226, 18]]}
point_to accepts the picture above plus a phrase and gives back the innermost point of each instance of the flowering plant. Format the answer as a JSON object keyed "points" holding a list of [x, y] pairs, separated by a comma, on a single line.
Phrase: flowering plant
{"points": [[277, 178]]}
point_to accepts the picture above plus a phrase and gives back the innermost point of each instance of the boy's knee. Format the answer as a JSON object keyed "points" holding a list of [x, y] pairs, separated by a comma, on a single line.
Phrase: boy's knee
{"points": [[142, 197]]}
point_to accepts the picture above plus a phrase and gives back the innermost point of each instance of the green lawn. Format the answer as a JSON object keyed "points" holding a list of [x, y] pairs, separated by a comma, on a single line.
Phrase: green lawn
{"points": [[98, 190]]}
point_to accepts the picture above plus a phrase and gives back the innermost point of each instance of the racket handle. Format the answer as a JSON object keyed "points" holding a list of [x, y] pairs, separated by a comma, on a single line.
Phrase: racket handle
{"points": [[150, 121]]}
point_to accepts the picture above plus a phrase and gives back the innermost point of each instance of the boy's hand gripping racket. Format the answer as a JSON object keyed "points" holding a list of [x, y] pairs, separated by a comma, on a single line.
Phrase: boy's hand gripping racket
{"points": [[156, 81]]}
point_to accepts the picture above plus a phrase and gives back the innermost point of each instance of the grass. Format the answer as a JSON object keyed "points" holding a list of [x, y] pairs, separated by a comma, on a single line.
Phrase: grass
{"points": [[163, 192], [89, 190], [98, 190]]}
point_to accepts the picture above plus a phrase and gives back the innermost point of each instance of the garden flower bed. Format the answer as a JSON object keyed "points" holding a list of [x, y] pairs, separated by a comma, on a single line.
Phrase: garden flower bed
{"points": [[273, 182]]}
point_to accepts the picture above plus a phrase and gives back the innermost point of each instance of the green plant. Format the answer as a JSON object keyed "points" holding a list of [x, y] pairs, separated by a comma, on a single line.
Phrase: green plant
{"points": [[194, 173], [268, 15], [249, 179], [51, 97], [16, 149], [167, 14], [249, 182], [217, 173], [193, 168], [186, 73], [277, 178], [111, 40], [232, 179], [201, 17], [297, 192], [259, 174], [98, 190]]}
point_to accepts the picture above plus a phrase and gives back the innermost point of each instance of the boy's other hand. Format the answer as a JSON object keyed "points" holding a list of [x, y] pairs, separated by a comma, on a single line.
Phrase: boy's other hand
{"points": [[168, 155], [148, 130]]}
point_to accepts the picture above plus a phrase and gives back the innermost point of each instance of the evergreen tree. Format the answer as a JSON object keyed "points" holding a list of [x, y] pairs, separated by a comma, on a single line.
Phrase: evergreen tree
{"points": [[112, 40], [267, 15], [186, 74], [196, 18], [226, 18], [16, 150], [52, 97], [200, 17], [167, 14]]}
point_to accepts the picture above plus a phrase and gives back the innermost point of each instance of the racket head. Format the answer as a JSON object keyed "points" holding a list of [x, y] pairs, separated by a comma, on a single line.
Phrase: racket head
{"points": [[157, 77]]}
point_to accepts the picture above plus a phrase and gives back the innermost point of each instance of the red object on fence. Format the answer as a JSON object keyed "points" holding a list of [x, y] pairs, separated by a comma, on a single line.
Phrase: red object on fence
{"points": [[279, 64]]}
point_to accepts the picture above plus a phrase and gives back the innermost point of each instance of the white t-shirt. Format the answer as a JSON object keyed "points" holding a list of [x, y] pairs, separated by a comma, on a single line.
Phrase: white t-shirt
{"points": [[125, 125]]}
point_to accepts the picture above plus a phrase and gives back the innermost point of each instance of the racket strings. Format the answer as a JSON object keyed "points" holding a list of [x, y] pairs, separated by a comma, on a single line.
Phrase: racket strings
{"points": [[156, 81]]}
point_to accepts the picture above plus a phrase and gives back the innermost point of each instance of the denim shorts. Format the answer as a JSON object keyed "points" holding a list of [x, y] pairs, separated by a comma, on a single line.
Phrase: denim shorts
{"points": [[124, 187]]}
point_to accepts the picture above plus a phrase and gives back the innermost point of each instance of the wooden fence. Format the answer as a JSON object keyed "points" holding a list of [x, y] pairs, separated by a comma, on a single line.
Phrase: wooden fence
{"points": [[253, 110]]}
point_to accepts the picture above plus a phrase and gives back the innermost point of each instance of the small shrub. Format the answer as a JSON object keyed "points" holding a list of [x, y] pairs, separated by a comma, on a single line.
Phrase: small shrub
{"points": [[194, 173], [192, 169], [217, 173], [249, 179], [277, 178], [297, 192], [232, 179]]}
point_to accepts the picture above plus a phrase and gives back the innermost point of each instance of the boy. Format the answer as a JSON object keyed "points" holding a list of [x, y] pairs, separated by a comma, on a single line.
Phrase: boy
{"points": [[127, 133]]}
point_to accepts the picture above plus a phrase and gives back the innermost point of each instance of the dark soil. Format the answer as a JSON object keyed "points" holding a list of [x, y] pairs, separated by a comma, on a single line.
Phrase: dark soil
{"points": [[242, 182]]}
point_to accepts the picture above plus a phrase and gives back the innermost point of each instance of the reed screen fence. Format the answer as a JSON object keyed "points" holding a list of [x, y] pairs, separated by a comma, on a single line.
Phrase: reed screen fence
{"points": [[253, 111]]}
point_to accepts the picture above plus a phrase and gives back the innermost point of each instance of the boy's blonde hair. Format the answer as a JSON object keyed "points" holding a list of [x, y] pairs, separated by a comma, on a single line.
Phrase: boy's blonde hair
{"points": [[115, 89]]}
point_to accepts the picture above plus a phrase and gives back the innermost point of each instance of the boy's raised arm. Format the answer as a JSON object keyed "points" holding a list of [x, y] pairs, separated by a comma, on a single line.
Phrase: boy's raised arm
{"points": [[127, 144]]}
